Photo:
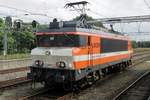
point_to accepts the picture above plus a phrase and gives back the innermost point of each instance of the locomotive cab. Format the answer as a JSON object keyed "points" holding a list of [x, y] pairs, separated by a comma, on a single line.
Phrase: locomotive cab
{"points": [[53, 58], [55, 48]]}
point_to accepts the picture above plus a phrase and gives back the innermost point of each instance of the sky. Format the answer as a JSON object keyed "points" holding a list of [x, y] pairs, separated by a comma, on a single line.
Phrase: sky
{"points": [[98, 9]]}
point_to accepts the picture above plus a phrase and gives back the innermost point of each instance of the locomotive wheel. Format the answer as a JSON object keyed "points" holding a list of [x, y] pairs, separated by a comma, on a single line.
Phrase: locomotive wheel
{"points": [[110, 70], [48, 85], [68, 86], [104, 71]]}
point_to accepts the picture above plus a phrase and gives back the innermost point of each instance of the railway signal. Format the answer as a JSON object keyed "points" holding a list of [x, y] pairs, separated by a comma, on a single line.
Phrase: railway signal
{"points": [[18, 24], [34, 24], [8, 21]]}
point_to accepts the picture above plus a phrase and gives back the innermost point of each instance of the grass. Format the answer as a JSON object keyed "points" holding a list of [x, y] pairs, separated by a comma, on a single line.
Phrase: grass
{"points": [[14, 56], [141, 49]]}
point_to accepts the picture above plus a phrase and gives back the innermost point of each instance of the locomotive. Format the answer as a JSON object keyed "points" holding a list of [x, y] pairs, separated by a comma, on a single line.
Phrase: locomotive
{"points": [[73, 54]]}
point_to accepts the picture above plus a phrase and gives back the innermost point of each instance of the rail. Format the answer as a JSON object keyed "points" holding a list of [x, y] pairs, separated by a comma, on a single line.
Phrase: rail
{"points": [[14, 82], [131, 85]]}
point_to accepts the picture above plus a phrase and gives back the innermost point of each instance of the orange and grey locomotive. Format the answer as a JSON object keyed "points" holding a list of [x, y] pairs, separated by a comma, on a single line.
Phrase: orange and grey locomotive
{"points": [[75, 53]]}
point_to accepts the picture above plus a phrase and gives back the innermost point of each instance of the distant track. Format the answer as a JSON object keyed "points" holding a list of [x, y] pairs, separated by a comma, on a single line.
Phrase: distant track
{"points": [[13, 70], [141, 53], [14, 82]]}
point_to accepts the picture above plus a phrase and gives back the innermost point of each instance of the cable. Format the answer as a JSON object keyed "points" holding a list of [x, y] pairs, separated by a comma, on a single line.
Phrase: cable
{"points": [[113, 9], [22, 10], [147, 4], [32, 13], [107, 7], [66, 0], [96, 13]]}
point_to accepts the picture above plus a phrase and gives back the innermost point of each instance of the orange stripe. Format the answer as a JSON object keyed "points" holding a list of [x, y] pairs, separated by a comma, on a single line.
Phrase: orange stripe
{"points": [[85, 51], [80, 51], [84, 64], [93, 49]]}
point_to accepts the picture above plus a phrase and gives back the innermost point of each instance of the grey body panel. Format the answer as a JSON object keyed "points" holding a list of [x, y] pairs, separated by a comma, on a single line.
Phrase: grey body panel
{"points": [[69, 74]]}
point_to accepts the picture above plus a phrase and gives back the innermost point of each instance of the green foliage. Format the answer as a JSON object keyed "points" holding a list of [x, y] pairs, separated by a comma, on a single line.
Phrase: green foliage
{"points": [[134, 44], [24, 40], [15, 56], [1, 22], [88, 18], [142, 44], [19, 41], [42, 26]]}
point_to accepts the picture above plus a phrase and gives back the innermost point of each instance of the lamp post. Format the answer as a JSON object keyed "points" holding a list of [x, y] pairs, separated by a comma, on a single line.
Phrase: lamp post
{"points": [[5, 43]]}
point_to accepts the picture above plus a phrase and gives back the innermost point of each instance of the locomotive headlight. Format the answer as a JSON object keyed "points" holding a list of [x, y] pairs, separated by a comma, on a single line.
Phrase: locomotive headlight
{"points": [[39, 63], [61, 64]]}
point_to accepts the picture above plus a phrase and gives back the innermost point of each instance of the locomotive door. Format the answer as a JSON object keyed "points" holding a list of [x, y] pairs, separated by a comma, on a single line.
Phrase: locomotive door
{"points": [[90, 51]]}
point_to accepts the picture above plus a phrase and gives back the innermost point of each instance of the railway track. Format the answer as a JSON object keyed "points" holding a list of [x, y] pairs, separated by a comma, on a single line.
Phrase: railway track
{"points": [[141, 56], [138, 90], [47, 94], [140, 53], [14, 83], [139, 60], [53, 95], [13, 70]]}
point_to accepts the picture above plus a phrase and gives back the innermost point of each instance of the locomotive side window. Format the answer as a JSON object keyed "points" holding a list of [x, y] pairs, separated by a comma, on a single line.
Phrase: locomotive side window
{"points": [[83, 41], [89, 41], [61, 40], [113, 45]]}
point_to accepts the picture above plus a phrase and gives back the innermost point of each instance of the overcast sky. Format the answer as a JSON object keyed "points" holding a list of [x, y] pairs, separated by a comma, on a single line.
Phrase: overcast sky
{"points": [[99, 8], [103, 8]]}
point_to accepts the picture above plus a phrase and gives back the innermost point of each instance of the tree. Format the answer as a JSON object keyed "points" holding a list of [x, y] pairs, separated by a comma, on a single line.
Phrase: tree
{"points": [[20, 40], [1, 22], [24, 40], [134, 44]]}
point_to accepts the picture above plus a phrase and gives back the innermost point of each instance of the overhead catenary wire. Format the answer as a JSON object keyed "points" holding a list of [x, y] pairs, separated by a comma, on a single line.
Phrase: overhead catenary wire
{"points": [[147, 4], [21, 10], [67, 1], [96, 13], [26, 11], [113, 9]]}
